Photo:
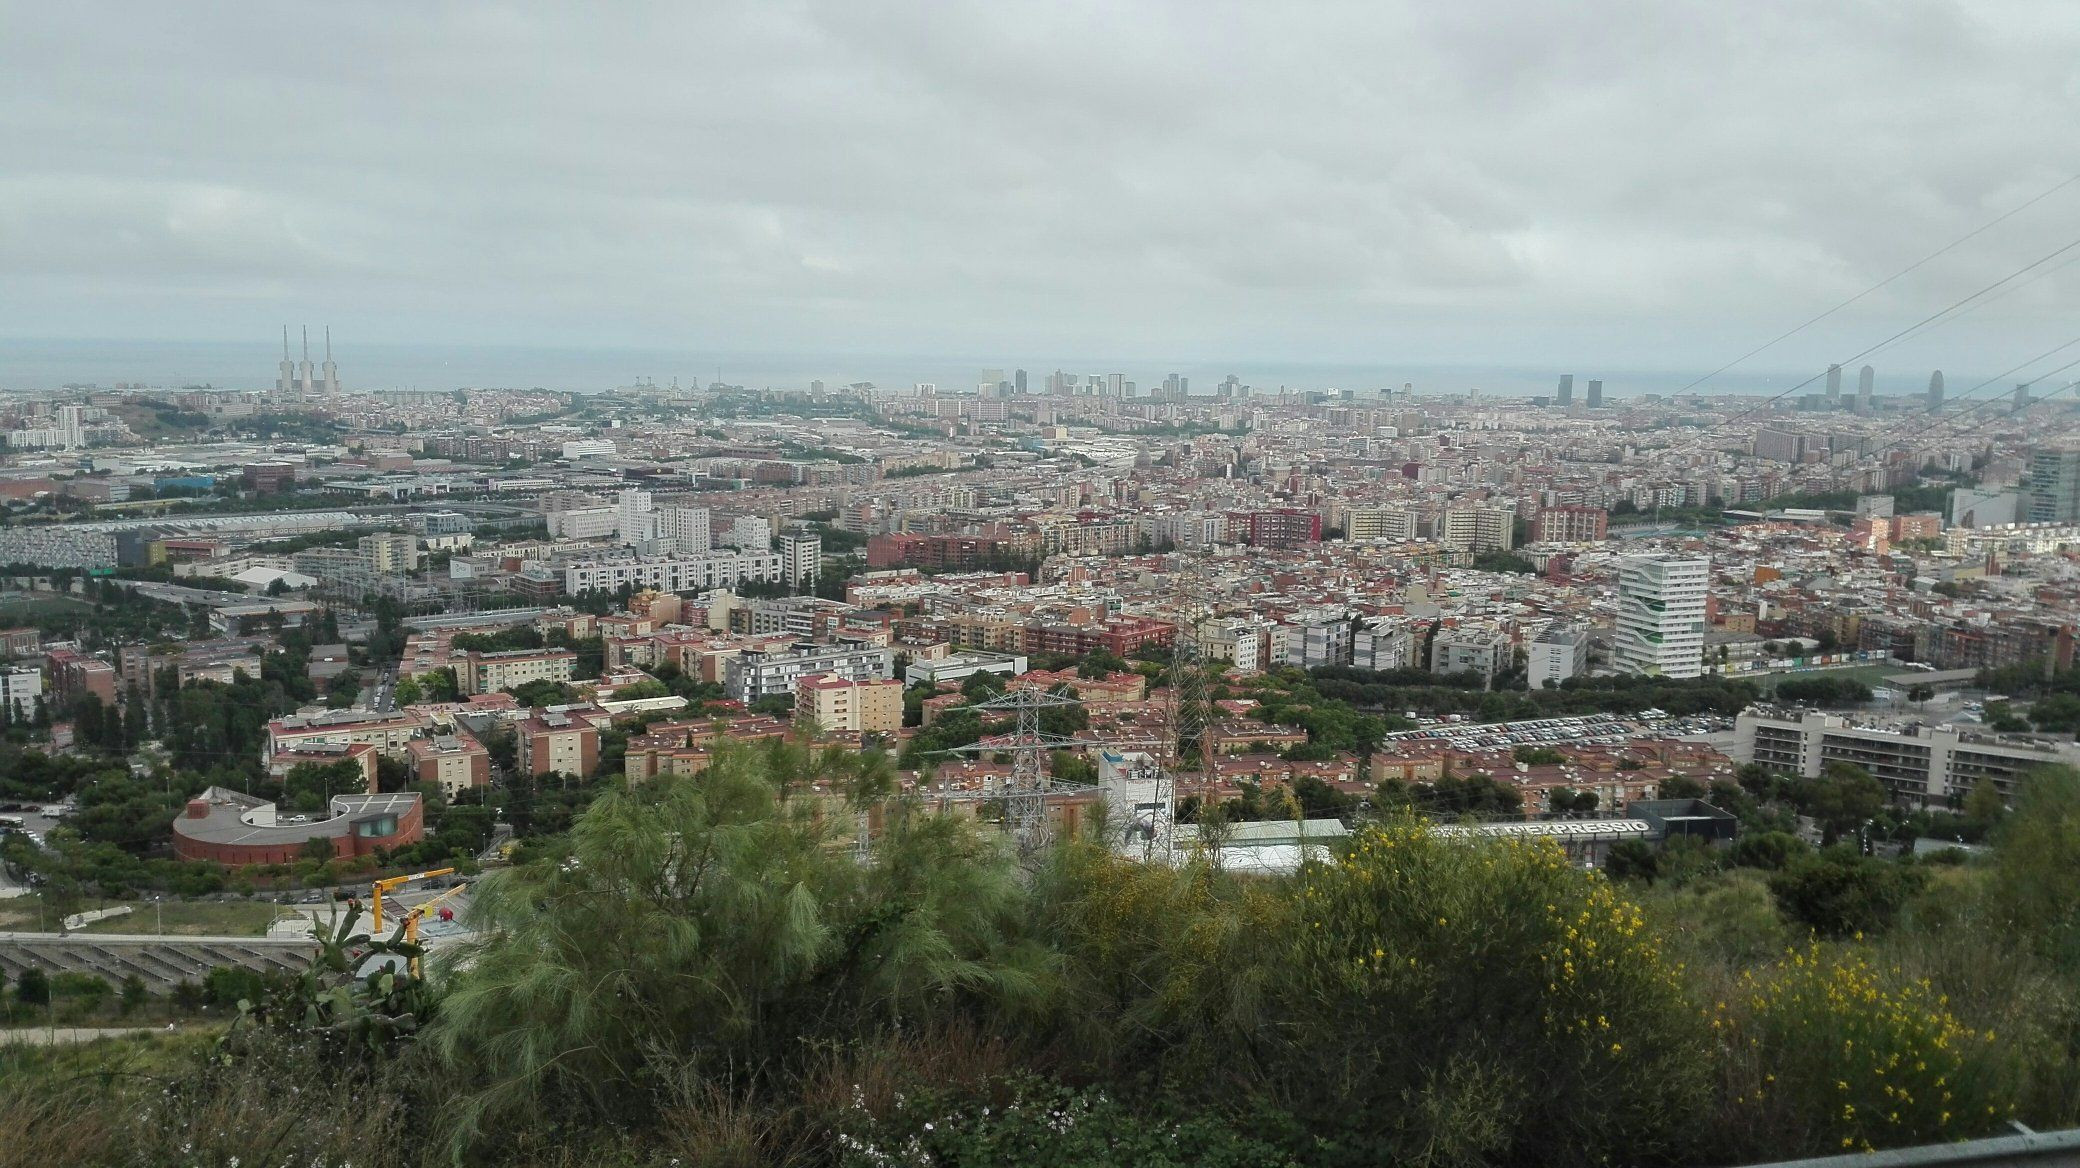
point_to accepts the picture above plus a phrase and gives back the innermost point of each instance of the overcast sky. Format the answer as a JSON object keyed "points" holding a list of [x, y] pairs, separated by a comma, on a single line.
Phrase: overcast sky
{"points": [[1635, 183]]}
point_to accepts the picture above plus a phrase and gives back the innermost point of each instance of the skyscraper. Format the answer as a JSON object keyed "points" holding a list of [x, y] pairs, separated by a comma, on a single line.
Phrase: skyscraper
{"points": [[2053, 492], [1935, 390], [2021, 396], [1595, 395], [1661, 615], [1018, 382], [1866, 382], [1565, 397], [1834, 386]]}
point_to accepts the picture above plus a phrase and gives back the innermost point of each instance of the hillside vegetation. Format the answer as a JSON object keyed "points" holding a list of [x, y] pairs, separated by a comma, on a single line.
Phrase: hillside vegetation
{"points": [[702, 972]]}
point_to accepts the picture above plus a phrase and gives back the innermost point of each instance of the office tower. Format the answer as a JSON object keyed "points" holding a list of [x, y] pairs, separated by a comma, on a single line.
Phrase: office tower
{"points": [[2053, 491], [286, 379], [1661, 614], [1866, 381], [1018, 382], [1116, 384], [331, 374], [635, 517], [1935, 390], [801, 560], [991, 383], [1834, 386], [1595, 395], [815, 387], [1565, 397], [2021, 396]]}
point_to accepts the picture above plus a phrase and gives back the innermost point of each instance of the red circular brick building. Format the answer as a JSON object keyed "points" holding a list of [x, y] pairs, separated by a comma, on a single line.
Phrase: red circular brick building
{"points": [[226, 827]]}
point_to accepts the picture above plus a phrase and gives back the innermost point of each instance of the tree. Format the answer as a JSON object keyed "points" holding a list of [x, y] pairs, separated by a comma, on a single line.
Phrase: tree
{"points": [[439, 685], [1840, 892], [32, 987], [2035, 855], [1842, 799], [709, 929], [1632, 860], [1681, 787], [1099, 663], [318, 848], [407, 691], [1984, 808]]}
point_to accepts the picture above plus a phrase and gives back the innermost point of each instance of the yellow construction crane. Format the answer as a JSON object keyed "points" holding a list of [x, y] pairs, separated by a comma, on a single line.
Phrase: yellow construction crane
{"points": [[382, 886], [412, 919]]}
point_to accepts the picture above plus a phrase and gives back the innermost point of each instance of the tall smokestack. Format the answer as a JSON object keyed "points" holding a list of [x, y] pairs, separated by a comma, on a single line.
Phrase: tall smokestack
{"points": [[304, 373], [285, 380], [331, 375]]}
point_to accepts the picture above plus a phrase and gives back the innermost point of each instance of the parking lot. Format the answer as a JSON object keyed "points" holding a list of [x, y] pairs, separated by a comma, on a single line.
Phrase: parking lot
{"points": [[1581, 730]]}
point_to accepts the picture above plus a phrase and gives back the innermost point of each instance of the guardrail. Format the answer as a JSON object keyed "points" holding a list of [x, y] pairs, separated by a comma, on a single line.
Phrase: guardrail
{"points": [[2026, 1148]]}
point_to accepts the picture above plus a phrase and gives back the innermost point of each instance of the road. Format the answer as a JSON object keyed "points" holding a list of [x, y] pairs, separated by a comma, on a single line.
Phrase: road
{"points": [[383, 693]]}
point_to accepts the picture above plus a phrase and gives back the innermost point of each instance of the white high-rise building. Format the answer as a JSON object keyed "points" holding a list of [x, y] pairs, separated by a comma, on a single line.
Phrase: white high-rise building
{"points": [[1661, 615], [636, 517], [72, 427], [801, 560], [751, 533], [686, 529]]}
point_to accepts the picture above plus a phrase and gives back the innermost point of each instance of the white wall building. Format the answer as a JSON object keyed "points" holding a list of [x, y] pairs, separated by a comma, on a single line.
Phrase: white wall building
{"points": [[1558, 653], [684, 530], [1661, 615], [19, 689], [636, 517]]}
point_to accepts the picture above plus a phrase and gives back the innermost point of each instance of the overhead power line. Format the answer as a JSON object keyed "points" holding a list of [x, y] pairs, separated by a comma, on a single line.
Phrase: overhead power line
{"points": [[1775, 398], [1967, 237]]}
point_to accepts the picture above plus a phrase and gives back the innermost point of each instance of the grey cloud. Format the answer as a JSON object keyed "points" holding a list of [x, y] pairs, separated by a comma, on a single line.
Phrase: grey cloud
{"points": [[1343, 181]]}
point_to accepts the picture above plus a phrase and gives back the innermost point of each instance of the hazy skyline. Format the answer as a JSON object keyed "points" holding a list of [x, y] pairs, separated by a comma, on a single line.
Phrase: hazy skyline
{"points": [[1607, 186]]}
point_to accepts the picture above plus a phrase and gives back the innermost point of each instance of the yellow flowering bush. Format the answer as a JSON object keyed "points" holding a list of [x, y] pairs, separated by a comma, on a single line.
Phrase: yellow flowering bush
{"points": [[1490, 989], [1827, 1052]]}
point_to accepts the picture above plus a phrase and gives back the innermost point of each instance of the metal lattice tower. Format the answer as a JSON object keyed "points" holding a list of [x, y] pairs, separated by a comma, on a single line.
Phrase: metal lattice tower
{"points": [[1025, 795], [1189, 709]]}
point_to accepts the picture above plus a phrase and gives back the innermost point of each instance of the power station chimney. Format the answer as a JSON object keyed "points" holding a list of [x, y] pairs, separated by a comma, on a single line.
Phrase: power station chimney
{"points": [[331, 382], [304, 376], [286, 379]]}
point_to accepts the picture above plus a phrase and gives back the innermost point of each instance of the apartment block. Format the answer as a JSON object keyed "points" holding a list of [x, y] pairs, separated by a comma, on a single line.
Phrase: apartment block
{"points": [[836, 704], [482, 673], [555, 743], [1921, 765]]}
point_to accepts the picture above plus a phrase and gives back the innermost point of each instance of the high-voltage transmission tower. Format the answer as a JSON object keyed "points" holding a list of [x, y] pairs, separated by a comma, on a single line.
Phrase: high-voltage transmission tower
{"points": [[1025, 793], [1187, 753]]}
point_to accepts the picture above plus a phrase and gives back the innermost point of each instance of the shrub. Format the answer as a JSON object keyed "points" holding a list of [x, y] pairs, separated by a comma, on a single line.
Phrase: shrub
{"points": [[1839, 892], [1825, 1052], [1774, 850], [2037, 852], [1472, 1001]]}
